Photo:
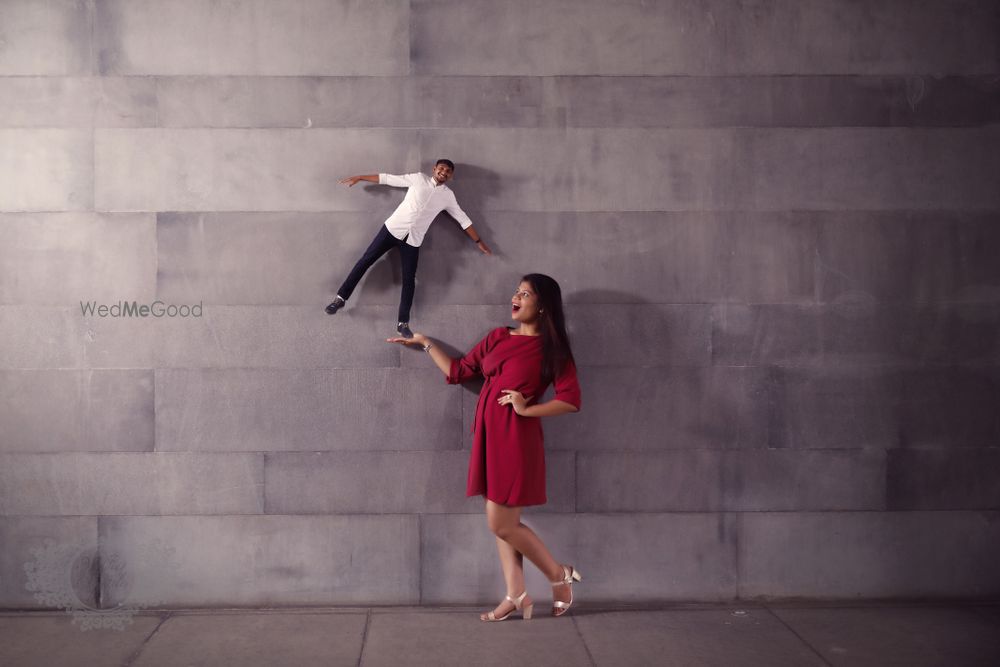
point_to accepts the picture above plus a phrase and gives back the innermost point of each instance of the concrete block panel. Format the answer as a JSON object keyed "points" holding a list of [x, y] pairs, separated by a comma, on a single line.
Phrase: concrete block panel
{"points": [[386, 482], [913, 636], [828, 407], [835, 407], [256, 638], [222, 336], [262, 170], [67, 410], [131, 483], [576, 101], [41, 337], [909, 256], [46, 170], [241, 409], [62, 259], [272, 258], [78, 102], [693, 637], [869, 554], [922, 479], [876, 169], [770, 101], [704, 37], [949, 407], [56, 550], [855, 331], [774, 479], [720, 169], [349, 101], [671, 556], [50, 38], [430, 639], [639, 335], [36, 640], [58, 337], [283, 169], [631, 481], [265, 560], [665, 408], [713, 480], [631, 335], [288, 38], [277, 337], [627, 257]]}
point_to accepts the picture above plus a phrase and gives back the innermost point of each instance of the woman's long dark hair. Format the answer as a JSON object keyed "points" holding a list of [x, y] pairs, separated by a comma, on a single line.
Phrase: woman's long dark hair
{"points": [[551, 324]]}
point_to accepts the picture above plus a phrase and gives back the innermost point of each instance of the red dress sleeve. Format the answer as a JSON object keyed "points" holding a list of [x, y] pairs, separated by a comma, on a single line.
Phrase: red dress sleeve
{"points": [[468, 367], [567, 386]]}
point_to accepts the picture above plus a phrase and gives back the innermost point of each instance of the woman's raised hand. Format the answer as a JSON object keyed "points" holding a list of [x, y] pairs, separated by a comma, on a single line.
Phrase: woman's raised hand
{"points": [[418, 339]]}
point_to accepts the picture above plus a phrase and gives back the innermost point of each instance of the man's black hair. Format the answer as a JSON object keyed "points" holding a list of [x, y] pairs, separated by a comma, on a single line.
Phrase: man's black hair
{"points": [[447, 163]]}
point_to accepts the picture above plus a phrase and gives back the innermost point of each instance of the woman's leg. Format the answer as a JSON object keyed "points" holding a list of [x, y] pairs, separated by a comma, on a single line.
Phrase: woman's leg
{"points": [[505, 523], [512, 564]]}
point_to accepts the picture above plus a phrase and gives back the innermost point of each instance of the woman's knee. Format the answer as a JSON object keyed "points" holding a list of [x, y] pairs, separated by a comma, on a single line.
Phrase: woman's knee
{"points": [[502, 529]]}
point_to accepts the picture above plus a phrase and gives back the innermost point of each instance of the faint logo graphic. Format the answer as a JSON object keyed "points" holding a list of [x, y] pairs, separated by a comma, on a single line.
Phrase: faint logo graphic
{"points": [[59, 573]]}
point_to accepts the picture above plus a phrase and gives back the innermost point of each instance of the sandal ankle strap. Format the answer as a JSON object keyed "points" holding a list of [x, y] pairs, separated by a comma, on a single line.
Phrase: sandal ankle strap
{"points": [[520, 599]]}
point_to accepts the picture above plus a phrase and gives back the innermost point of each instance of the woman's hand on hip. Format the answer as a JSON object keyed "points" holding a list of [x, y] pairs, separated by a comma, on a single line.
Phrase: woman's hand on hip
{"points": [[515, 399]]}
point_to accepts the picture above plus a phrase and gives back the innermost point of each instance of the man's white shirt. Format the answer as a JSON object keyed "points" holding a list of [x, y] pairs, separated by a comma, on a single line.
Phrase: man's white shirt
{"points": [[423, 201]]}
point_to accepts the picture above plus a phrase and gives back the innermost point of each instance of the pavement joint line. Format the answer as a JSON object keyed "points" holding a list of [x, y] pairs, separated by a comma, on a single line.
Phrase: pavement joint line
{"points": [[797, 635], [583, 640], [364, 637], [135, 654]]}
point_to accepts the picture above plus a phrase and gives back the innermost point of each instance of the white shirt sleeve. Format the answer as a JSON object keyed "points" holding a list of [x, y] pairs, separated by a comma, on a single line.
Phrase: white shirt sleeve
{"points": [[397, 181], [455, 211]]}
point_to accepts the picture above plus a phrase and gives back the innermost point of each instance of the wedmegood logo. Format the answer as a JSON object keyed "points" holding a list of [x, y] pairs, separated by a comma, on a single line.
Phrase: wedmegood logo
{"points": [[58, 570], [136, 309]]}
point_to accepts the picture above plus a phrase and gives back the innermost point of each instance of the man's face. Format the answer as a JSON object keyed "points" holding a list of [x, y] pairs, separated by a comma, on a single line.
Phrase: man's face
{"points": [[442, 173]]}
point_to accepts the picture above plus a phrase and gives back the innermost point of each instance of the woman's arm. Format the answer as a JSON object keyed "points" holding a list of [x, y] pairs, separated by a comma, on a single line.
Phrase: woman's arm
{"points": [[552, 408], [440, 357]]}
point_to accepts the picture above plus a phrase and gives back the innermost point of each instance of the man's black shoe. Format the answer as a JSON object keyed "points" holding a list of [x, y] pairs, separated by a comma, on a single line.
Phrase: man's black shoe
{"points": [[337, 304], [403, 329]]}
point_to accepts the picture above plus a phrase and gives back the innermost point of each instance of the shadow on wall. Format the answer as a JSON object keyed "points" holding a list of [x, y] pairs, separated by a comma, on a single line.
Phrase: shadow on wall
{"points": [[472, 186]]}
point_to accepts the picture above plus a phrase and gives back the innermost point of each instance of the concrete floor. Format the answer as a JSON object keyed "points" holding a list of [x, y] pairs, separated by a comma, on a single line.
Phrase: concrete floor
{"points": [[750, 634]]}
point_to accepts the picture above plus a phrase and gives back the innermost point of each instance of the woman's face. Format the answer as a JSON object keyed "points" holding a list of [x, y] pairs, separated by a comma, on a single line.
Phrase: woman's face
{"points": [[524, 304]]}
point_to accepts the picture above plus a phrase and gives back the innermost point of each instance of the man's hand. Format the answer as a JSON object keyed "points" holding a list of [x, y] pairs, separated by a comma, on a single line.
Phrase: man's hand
{"points": [[483, 248], [351, 180]]}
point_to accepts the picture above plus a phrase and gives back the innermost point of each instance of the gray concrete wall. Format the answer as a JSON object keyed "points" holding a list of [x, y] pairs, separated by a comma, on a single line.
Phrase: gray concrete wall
{"points": [[776, 224]]}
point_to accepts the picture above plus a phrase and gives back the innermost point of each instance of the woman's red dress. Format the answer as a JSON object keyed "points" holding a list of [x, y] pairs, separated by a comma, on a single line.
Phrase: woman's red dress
{"points": [[508, 460]]}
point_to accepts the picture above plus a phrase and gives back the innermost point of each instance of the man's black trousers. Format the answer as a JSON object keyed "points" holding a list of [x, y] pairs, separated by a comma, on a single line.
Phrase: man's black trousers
{"points": [[381, 244]]}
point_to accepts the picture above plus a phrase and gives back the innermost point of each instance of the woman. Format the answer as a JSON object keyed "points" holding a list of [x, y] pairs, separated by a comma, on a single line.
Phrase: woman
{"points": [[507, 465]]}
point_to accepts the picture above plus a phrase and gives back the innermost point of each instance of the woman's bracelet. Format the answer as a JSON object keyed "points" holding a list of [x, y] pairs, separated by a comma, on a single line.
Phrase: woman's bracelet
{"points": [[427, 348]]}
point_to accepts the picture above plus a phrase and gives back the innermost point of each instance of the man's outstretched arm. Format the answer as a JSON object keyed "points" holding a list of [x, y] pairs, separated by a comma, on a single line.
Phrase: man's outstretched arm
{"points": [[480, 243], [352, 180]]}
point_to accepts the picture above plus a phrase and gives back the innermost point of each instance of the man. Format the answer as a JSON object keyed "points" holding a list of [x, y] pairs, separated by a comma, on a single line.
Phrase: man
{"points": [[426, 196]]}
